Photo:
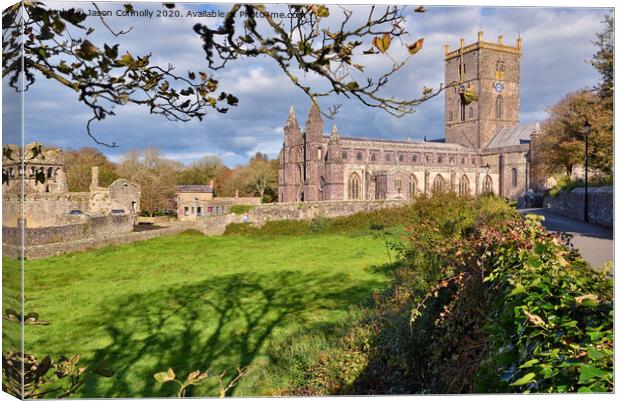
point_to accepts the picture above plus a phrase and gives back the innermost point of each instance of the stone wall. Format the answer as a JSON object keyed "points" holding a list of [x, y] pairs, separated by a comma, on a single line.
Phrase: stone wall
{"points": [[59, 248], [94, 227], [571, 204], [102, 226], [260, 215], [46, 235]]}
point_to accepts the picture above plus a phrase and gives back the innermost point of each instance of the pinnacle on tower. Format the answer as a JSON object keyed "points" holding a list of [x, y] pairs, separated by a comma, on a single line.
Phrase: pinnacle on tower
{"points": [[292, 117], [335, 136], [315, 113]]}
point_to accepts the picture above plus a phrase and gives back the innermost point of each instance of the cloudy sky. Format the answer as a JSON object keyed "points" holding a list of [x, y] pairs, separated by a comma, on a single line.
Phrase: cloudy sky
{"points": [[557, 44]]}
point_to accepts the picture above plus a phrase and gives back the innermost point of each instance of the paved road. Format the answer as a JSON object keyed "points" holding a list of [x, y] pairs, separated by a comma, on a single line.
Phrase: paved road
{"points": [[595, 243]]}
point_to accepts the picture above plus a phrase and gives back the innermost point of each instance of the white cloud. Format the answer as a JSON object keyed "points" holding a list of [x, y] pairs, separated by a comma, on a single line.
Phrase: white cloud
{"points": [[556, 42]]}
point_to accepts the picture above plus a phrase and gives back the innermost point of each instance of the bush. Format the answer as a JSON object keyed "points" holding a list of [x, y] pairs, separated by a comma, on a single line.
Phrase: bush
{"points": [[565, 183], [549, 317], [241, 209], [482, 300], [270, 229]]}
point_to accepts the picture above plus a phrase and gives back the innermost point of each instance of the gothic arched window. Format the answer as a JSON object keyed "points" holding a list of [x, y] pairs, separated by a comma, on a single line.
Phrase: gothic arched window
{"points": [[398, 184], [514, 177], [439, 184], [354, 186], [414, 158], [373, 157], [499, 107], [471, 112], [413, 184], [401, 158], [358, 156], [464, 186], [320, 153]]}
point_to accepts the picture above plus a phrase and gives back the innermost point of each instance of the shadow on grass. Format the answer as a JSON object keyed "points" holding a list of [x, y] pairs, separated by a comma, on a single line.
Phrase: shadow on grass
{"points": [[217, 324]]}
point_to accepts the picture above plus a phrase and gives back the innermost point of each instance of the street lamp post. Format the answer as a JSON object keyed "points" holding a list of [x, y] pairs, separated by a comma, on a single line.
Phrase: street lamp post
{"points": [[586, 132]]}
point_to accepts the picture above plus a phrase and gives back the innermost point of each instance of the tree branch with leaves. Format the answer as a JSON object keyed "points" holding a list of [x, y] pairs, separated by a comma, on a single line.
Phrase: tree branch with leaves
{"points": [[101, 76], [305, 42]]}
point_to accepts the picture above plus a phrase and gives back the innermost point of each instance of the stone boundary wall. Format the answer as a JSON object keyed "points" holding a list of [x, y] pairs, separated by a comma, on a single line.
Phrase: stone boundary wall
{"points": [[95, 227], [260, 215], [209, 225], [46, 235], [571, 204], [47, 250]]}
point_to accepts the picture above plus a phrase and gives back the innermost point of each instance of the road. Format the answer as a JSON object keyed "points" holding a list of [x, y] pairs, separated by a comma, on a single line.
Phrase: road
{"points": [[594, 242]]}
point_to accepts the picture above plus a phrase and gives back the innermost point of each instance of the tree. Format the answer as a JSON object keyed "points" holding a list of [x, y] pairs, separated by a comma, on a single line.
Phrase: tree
{"points": [[202, 171], [156, 176], [603, 61], [562, 144], [56, 45], [230, 182], [263, 177], [101, 75], [78, 165]]}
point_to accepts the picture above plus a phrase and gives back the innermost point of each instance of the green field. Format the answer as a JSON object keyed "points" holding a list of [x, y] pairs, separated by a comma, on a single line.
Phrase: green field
{"points": [[193, 302]]}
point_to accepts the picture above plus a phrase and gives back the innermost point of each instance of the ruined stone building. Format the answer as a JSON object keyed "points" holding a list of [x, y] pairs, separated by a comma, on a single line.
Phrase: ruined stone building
{"points": [[485, 148], [35, 197], [195, 201]]}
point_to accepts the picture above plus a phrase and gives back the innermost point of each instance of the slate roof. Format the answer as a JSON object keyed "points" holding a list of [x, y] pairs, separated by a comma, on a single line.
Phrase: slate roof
{"points": [[429, 144], [194, 188], [512, 136]]}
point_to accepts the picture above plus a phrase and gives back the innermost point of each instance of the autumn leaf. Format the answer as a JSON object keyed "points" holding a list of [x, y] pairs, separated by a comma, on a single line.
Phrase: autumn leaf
{"points": [[420, 9], [382, 43], [415, 47], [332, 35], [588, 299], [534, 319], [319, 10], [163, 377]]}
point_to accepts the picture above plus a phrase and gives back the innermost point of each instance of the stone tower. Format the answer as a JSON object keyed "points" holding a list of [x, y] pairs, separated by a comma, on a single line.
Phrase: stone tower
{"points": [[314, 152], [291, 159], [491, 71]]}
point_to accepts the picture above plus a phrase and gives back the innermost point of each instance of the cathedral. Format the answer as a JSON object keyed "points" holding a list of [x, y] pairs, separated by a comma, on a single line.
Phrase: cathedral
{"points": [[485, 149]]}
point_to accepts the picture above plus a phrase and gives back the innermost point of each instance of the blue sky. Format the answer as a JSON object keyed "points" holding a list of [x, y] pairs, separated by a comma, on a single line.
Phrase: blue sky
{"points": [[557, 45]]}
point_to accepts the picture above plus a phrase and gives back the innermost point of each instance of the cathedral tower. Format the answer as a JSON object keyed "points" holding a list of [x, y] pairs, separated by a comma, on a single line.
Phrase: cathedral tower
{"points": [[490, 71]]}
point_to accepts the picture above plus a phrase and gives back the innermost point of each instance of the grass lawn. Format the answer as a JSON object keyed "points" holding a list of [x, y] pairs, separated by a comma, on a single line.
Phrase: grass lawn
{"points": [[193, 302]]}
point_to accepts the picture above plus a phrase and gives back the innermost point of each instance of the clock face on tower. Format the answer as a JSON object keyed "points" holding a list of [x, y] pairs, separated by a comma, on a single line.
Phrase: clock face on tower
{"points": [[499, 87]]}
